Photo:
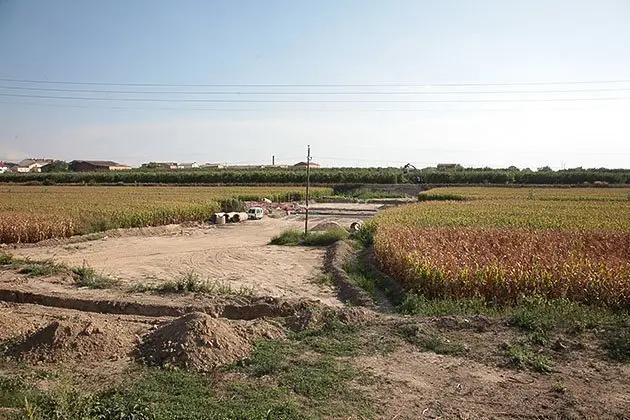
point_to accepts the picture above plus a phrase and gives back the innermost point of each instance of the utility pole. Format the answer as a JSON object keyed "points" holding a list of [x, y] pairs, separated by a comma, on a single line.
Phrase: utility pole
{"points": [[308, 182]]}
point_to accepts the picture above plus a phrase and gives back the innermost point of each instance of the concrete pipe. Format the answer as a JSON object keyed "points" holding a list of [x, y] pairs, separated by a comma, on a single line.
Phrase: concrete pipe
{"points": [[239, 217], [218, 218], [356, 226]]}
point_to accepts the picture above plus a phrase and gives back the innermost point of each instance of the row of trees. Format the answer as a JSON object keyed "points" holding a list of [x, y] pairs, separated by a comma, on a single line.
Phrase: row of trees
{"points": [[331, 176]]}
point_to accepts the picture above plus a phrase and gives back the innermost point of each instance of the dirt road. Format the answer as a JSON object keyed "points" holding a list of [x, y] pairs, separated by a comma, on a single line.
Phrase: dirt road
{"points": [[238, 255]]}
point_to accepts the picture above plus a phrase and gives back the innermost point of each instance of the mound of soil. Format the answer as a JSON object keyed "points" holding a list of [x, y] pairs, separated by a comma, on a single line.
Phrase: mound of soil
{"points": [[196, 342], [78, 339], [324, 226], [314, 318]]}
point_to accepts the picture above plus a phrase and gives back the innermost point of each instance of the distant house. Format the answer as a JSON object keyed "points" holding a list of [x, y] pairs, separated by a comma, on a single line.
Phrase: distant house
{"points": [[97, 166], [449, 166], [6, 166], [213, 166], [160, 165], [32, 165], [303, 165], [187, 165]]}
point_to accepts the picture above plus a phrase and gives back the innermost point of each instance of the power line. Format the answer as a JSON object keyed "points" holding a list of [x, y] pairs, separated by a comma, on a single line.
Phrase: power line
{"points": [[267, 101], [137, 108], [144, 92], [284, 85]]}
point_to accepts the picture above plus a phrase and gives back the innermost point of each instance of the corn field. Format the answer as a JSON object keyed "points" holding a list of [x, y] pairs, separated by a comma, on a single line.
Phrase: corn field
{"points": [[554, 244], [35, 213]]}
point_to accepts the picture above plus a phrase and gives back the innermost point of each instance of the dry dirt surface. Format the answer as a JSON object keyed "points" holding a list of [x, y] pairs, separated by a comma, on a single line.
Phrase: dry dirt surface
{"points": [[414, 385], [237, 255]]}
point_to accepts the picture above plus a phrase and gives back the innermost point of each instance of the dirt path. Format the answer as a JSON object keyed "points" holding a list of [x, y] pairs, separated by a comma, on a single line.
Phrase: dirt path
{"points": [[237, 255]]}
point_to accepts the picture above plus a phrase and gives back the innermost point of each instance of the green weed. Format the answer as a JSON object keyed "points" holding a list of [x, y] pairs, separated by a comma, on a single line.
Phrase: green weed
{"points": [[86, 276], [426, 341], [522, 356], [618, 344], [191, 282], [5, 259], [40, 269]]}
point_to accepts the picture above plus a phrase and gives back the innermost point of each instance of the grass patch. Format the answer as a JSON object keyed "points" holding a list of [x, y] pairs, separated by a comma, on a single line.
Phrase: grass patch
{"points": [[288, 237], [521, 356], [617, 343], [366, 283], [6, 259], [369, 279], [191, 282], [427, 341], [14, 390], [296, 237], [40, 268], [539, 314], [324, 238], [31, 268], [414, 304], [333, 339], [86, 276]]}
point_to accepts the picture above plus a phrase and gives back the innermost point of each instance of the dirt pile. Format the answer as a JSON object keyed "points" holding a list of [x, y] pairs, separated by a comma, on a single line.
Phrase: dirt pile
{"points": [[325, 226], [196, 342], [79, 339]]}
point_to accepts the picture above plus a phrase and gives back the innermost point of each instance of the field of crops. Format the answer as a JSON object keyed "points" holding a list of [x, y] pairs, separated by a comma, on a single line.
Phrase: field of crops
{"points": [[34, 213], [501, 243], [235, 176]]}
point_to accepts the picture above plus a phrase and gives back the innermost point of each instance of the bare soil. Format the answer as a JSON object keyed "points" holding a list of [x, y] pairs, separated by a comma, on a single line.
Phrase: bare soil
{"points": [[46, 323], [233, 255]]}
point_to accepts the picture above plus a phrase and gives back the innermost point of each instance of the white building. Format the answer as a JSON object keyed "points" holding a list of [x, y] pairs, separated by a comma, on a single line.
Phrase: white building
{"points": [[190, 165], [33, 165]]}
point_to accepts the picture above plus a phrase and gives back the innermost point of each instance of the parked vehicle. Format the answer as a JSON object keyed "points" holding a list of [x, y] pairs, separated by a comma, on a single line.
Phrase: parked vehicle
{"points": [[256, 213]]}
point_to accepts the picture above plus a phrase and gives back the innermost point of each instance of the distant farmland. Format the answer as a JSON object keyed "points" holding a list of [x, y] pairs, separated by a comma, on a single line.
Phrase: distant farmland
{"points": [[329, 176], [34, 213]]}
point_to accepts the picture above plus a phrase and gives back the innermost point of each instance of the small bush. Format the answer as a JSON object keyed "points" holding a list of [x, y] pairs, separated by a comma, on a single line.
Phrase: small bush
{"points": [[40, 268], [86, 276], [191, 282], [521, 356], [288, 237], [618, 345], [430, 341], [324, 238], [295, 237], [6, 259], [365, 235], [441, 197], [232, 204]]}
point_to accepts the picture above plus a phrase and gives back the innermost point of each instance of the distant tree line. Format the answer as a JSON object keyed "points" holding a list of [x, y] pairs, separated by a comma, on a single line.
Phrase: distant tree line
{"points": [[331, 176]]}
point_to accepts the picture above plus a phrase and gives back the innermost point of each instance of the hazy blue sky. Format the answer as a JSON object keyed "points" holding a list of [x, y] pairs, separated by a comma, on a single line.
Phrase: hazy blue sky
{"points": [[341, 42]]}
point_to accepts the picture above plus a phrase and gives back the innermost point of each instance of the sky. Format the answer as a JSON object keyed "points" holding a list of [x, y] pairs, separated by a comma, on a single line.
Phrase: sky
{"points": [[363, 82]]}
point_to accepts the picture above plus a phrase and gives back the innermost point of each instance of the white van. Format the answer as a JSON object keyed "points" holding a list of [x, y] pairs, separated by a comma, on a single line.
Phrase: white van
{"points": [[256, 213]]}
